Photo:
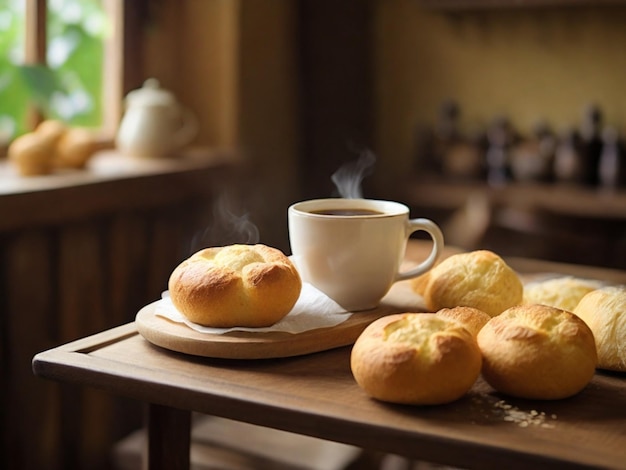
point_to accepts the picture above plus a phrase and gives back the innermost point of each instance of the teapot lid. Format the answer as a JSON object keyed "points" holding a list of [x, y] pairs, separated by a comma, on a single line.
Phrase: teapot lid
{"points": [[150, 94]]}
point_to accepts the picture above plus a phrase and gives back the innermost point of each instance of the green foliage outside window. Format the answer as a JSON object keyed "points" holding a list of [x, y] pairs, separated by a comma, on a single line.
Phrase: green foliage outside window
{"points": [[69, 87]]}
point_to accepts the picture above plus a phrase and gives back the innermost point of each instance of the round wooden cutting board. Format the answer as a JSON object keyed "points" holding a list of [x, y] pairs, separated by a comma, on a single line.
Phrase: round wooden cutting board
{"points": [[249, 345]]}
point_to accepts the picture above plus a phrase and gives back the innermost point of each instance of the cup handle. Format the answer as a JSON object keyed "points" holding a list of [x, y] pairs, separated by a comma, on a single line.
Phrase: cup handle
{"points": [[434, 231]]}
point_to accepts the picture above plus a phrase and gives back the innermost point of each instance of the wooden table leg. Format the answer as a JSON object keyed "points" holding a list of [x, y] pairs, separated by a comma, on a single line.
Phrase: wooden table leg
{"points": [[169, 438]]}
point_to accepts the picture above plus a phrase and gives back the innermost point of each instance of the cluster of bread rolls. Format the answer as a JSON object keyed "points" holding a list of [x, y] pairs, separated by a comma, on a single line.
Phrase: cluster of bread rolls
{"points": [[52, 145], [535, 352], [235, 285], [543, 341]]}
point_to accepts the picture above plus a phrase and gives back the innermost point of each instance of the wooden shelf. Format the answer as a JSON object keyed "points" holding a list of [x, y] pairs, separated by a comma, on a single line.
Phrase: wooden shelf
{"points": [[110, 183], [556, 222], [560, 199]]}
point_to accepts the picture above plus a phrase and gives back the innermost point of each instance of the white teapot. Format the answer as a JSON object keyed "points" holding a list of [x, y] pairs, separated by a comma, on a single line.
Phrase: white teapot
{"points": [[154, 124]]}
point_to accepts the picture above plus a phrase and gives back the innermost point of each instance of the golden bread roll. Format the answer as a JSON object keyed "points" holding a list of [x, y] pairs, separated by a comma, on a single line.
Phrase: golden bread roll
{"points": [[537, 352], [52, 130], [31, 154], [479, 279], [420, 283], [236, 285], [75, 148], [604, 311], [415, 358], [471, 318], [561, 292]]}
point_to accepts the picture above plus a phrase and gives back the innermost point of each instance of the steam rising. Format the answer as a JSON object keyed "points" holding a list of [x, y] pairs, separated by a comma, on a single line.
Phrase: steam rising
{"points": [[226, 228], [349, 177]]}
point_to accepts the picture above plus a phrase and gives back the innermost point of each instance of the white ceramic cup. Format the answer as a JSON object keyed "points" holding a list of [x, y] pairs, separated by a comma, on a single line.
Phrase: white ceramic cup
{"points": [[355, 259]]}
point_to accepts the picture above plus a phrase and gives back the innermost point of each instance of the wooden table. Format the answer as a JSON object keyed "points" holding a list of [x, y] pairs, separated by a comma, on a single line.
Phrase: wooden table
{"points": [[316, 395]]}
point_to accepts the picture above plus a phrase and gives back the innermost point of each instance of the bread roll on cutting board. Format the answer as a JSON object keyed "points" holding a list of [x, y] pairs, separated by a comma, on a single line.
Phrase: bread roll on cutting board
{"points": [[235, 285]]}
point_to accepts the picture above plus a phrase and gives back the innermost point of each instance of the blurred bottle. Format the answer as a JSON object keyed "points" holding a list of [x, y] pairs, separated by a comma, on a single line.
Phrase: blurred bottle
{"points": [[433, 144], [611, 168], [591, 150], [500, 138], [568, 158], [532, 159]]}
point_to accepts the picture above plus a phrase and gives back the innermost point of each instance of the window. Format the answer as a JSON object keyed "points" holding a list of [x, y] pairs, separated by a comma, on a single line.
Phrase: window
{"points": [[60, 59]]}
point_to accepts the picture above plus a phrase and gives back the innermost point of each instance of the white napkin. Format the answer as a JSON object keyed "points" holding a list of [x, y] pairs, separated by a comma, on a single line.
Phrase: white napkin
{"points": [[313, 310]]}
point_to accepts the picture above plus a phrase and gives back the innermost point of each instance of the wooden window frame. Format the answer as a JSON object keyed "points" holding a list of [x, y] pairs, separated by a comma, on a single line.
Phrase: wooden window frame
{"points": [[122, 59]]}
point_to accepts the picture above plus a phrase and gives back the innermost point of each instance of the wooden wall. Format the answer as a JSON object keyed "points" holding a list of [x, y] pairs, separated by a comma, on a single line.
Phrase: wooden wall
{"points": [[81, 254], [234, 63], [336, 82]]}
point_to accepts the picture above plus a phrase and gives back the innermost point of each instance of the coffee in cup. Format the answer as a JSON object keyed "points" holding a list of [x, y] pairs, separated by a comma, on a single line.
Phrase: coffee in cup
{"points": [[352, 249]]}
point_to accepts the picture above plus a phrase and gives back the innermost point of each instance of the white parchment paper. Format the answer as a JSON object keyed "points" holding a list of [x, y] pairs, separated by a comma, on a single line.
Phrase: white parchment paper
{"points": [[313, 310]]}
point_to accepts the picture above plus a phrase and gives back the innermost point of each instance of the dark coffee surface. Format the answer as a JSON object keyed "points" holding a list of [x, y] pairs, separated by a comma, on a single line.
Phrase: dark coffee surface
{"points": [[347, 212]]}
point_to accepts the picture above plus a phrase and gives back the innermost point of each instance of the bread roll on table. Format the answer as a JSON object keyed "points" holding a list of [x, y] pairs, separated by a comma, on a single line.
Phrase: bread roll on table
{"points": [[480, 279], [562, 292], [604, 311], [471, 318], [537, 352], [415, 358]]}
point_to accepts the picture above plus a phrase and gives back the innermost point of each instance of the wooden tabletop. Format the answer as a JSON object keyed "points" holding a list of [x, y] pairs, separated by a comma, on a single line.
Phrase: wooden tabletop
{"points": [[316, 395]]}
